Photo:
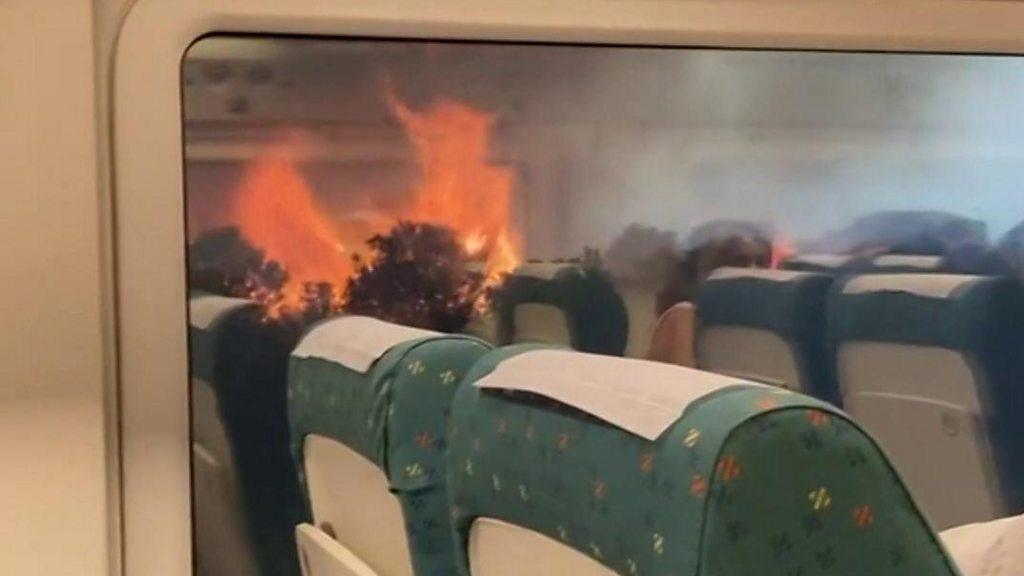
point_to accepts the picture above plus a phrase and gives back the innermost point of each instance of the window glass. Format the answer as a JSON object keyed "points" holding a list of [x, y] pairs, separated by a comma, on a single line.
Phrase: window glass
{"points": [[844, 225]]}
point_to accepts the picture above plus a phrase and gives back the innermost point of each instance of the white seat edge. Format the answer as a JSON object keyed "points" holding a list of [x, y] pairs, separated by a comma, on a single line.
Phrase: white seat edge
{"points": [[321, 555]]}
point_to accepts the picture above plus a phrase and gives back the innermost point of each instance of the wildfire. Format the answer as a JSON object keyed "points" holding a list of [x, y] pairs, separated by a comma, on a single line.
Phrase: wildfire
{"points": [[458, 186], [275, 210]]}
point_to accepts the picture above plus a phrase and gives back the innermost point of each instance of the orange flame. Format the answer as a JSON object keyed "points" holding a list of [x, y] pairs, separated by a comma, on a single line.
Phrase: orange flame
{"points": [[275, 210], [460, 187], [782, 249]]}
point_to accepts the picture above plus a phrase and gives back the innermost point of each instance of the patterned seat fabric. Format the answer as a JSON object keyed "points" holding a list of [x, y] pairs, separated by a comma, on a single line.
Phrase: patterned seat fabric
{"points": [[244, 361], [748, 480], [767, 325], [394, 415], [595, 314]]}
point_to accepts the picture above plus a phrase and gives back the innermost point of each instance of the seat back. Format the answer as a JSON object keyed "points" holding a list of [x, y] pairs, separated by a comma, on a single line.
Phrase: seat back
{"points": [[321, 555], [541, 323], [351, 501], [569, 463], [768, 326], [498, 548], [562, 304], [368, 402], [223, 542], [927, 362]]}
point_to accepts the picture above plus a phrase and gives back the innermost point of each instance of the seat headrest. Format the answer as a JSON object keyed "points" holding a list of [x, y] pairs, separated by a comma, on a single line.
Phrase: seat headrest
{"points": [[542, 270], [598, 320], [907, 262], [960, 312], [787, 302], [824, 263], [605, 386], [355, 342], [205, 310]]}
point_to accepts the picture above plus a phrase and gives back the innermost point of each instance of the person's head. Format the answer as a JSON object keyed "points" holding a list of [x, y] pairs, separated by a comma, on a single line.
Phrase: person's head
{"points": [[741, 251], [744, 247]]}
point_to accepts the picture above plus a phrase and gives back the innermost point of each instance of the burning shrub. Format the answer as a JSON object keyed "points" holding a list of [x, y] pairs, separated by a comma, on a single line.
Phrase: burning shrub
{"points": [[222, 262], [416, 275]]}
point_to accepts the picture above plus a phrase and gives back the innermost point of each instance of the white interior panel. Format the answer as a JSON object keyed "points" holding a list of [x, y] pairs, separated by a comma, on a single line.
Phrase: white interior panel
{"points": [[321, 555], [497, 548], [541, 323], [750, 353], [922, 405], [351, 499]]}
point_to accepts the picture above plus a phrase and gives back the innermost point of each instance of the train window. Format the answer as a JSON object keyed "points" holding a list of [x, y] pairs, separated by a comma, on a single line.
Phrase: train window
{"points": [[846, 226]]}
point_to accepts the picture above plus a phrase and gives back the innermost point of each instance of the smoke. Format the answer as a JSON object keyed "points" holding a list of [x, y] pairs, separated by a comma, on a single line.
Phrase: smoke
{"points": [[642, 254], [602, 138]]}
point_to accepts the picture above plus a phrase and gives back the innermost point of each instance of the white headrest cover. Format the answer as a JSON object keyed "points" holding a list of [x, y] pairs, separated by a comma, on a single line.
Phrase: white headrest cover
{"points": [[928, 285], [826, 260], [908, 261], [641, 397], [355, 342], [203, 311], [542, 270], [759, 273], [988, 548]]}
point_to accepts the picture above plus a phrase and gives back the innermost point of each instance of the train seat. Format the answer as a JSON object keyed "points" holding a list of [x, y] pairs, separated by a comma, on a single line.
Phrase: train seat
{"points": [[368, 402], [568, 463], [932, 365], [247, 495], [768, 326], [562, 304], [223, 545]]}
